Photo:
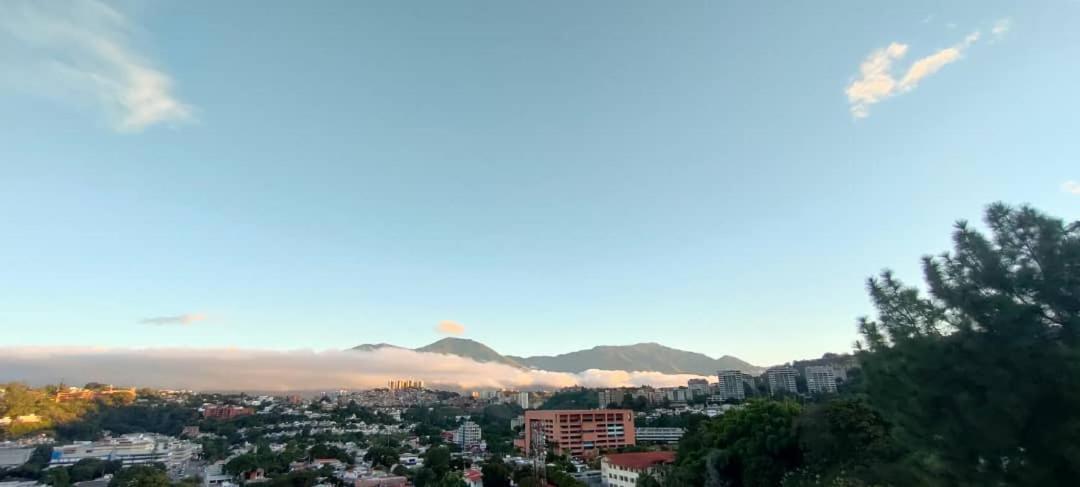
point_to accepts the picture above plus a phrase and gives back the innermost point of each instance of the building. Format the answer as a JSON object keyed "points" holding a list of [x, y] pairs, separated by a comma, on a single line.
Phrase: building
{"points": [[581, 433], [658, 435], [820, 379], [623, 469], [523, 400], [13, 457], [781, 380], [80, 394], [130, 450], [404, 385], [676, 394], [467, 435], [730, 385], [698, 387], [211, 411], [606, 397]]}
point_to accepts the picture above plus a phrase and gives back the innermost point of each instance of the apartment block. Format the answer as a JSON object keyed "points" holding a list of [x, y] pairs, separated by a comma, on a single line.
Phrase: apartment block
{"points": [[581, 433]]}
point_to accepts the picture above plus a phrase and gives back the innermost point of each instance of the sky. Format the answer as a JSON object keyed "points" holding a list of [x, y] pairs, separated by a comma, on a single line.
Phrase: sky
{"points": [[542, 177]]}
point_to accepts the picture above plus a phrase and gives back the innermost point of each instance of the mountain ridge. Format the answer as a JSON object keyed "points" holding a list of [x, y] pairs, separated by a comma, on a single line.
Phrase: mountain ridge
{"points": [[644, 357]]}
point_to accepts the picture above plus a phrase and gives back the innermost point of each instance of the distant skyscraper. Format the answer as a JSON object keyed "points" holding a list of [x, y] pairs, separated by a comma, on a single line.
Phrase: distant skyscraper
{"points": [[523, 400], [781, 379], [731, 384], [820, 379]]}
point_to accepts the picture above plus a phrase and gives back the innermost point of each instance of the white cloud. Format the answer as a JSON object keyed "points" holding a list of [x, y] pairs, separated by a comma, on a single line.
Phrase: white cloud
{"points": [[83, 52], [450, 327], [184, 319], [1071, 187], [876, 82], [267, 370], [1001, 27]]}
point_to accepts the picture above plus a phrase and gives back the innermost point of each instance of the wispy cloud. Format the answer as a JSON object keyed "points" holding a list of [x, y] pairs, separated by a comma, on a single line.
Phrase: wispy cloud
{"points": [[84, 52], [450, 327], [264, 370], [876, 82], [184, 319], [1071, 187], [1001, 27]]}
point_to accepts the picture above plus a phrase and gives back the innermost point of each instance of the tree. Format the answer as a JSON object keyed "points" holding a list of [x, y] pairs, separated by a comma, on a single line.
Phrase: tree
{"points": [[982, 376], [58, 477], [140, 476], [382, 455], [752, 446], [496, 473], [845, 439], [438, 460]]}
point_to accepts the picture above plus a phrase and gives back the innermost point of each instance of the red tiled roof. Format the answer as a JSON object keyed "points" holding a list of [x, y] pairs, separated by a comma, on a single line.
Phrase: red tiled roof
{"points": [[640, 460]]}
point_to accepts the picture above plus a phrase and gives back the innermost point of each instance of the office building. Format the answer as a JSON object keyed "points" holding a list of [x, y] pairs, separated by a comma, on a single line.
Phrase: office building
{"points": [[781, 380], [623, 469], [820, 379], [580, 433], [523, 400], [731, 385]]}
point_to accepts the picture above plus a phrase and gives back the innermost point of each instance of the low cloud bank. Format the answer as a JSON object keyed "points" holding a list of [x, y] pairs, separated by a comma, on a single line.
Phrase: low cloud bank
{"points": [[293, 370]]}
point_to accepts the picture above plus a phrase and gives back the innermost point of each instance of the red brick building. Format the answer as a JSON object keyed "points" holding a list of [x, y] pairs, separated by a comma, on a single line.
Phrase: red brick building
{"points": [[581, 433]]}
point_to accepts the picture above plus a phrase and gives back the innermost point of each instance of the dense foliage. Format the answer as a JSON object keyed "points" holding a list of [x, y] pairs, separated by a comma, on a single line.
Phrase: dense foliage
{"points": [[976, 383]]}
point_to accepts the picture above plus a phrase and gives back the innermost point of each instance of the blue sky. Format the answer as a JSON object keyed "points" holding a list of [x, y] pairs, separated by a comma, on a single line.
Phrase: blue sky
{"points": [[714, 176]]}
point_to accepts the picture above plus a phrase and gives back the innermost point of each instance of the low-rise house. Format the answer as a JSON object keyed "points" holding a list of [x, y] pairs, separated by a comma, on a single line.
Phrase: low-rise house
{"points": [[623, 469]]}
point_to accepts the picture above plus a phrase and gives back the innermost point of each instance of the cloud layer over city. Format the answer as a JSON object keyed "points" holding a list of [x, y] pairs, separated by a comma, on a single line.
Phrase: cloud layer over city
{"points": [[293, 370]]}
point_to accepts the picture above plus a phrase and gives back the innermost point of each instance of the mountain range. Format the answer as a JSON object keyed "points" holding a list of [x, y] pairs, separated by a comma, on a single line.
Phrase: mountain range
{"points": [[639, 357]]}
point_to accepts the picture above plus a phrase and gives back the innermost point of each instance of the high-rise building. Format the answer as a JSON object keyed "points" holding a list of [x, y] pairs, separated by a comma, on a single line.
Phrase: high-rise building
{"points": [[580, 433], [606, 397], [820, 379], [781, 380], [398, 385], [698, 387], [467, 435], [731, 385]]}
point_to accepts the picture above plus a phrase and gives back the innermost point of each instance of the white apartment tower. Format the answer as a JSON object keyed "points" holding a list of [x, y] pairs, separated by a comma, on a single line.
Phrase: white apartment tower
{"points": [[820, 379]]}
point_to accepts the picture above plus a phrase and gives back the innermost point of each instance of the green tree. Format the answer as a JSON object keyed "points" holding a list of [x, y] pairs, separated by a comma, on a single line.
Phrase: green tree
{"points": [[57, 477], [982, 376], [382, 455], [752, 446], [438, 460], [496, 473], [140, 476]]}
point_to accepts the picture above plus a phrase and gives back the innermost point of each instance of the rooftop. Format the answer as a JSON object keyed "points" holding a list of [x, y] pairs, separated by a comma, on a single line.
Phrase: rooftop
{"points": [[640, 460]]}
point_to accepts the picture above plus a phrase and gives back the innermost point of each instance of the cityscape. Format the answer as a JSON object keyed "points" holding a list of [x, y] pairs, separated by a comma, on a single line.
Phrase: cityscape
{"points": [[500, 243]]}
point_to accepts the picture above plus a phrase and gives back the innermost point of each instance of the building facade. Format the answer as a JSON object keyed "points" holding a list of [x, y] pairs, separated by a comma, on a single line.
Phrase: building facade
{"points": [[820, 379], [698, 387], [781, 380], [730, 385], [523, 399], [658, 435], [623, 469], [581, 433], [467, 435]]}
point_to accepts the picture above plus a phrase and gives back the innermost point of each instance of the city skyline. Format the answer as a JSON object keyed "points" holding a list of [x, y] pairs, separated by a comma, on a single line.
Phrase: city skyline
{"points": [[715, 178]]}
